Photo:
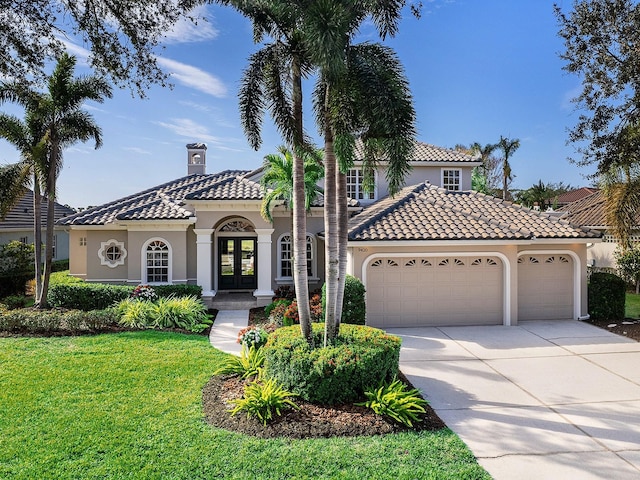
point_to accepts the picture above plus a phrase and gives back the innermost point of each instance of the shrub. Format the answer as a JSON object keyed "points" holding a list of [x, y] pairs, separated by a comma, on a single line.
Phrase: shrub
{"points": [[276, 313], [87, 296], [252, 336], [58, 278], [278, 301], [606, 296], [354, 307], [291, 314], [45, 321], [144, 292], [15, 301], [361, 356], [181, 290], [60, 265], [263, 399], [285, 292], [248, 364], [395, 401], [16, 267], [168, 312]]}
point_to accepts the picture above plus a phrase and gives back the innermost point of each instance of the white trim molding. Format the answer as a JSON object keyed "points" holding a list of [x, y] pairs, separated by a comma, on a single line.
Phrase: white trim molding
{"points": [[109, 256], [506, 272]]}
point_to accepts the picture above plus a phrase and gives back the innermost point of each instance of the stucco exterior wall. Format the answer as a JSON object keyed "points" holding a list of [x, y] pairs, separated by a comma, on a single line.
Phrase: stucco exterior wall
{"points": [[62, 240], [177, 241], [103, 273], [77, 254]]}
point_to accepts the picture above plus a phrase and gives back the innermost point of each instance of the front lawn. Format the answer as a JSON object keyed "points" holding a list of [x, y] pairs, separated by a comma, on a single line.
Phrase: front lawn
{"points": [[129, 406], [632, 305]]}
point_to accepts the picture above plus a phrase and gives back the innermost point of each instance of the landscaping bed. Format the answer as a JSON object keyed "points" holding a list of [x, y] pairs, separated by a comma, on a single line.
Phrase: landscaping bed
{"points": [[628, 327]]}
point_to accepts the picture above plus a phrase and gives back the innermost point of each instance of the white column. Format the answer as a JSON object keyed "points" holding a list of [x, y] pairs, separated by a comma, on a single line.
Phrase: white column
{"points": [[264, 293], [204, 261]]}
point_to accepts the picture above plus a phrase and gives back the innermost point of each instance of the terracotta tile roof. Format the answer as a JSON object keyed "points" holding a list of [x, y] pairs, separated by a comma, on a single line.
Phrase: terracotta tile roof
{"points": [[21, 215], [425, 152], [575, 195], [167, 201], [589, 211], [426, 212]]}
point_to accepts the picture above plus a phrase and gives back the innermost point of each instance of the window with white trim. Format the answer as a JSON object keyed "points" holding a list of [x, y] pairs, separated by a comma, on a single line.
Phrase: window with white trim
{"points": [[355, 181], [451, 179], [157, 262], [285, 256], [54, 246], [112, 253]]}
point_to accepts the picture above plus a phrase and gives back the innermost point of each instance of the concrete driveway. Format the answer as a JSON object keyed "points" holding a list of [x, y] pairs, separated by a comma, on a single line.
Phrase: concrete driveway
{"points": [[552, 399]]}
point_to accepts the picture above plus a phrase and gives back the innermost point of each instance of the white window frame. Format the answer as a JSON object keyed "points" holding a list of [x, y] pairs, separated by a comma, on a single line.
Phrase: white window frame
{"points": [[449, 187], [360, 194], [24, 240], [312, 271], [102, 253], [143, 257]]}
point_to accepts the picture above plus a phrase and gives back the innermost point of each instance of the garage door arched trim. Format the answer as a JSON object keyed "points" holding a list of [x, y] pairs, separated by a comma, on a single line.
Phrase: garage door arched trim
{"points": [[577, 293], [506, 273]]}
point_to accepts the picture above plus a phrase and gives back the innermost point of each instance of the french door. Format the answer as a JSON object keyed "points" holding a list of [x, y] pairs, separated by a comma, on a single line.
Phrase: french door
{"points": [[237, 263]]}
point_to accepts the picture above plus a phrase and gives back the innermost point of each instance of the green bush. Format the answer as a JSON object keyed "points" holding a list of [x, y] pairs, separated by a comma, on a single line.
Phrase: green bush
{"points": [[181, 290], [361, 356], [248, 364], [15, 301], [606, 296], [394, 400], [45, 321], [16, 267], [354, 307], [60, 265], [63, 276], [263, 399], [167, 312], [87, 296]]}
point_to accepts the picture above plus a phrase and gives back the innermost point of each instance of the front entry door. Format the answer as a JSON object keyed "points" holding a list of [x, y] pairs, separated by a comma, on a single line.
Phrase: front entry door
{"points": [[237, 261]]}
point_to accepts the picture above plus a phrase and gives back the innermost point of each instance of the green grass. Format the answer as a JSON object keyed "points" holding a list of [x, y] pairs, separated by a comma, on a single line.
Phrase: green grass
{"points": [[632, 305], [129, 406]]}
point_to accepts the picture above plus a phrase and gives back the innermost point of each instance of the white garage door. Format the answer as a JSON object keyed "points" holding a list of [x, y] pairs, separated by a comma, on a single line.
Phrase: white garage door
{"points": [[420, 291], [545, 287]]}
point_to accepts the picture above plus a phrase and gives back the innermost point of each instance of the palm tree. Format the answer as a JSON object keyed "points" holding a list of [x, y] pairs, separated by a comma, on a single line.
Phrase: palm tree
{"points": [[485, 154], [508, 147], [31, 142], [59, 115]]}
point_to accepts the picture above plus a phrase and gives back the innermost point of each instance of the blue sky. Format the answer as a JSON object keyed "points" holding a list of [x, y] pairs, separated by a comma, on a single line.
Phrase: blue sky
{"points": [[477, 70]]}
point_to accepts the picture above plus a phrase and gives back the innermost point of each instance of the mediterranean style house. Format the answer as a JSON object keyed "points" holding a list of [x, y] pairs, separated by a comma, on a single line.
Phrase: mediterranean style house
{"points": [[434, 254], [18, 225]]}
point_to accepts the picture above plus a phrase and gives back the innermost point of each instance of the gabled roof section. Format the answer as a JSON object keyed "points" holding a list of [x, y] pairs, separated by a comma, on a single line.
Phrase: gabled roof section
{"points": [[163, 202], [589, 211], [575, 195], [427, 153], [21, 215], [426, 212]]}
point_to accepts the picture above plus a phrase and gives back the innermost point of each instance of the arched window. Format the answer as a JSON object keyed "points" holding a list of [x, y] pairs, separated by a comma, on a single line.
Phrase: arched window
{"points": [[285, 256], [156, 255]]}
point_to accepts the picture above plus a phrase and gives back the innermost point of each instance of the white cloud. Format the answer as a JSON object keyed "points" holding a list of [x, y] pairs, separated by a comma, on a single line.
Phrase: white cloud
{"points": [[196, 106], [137, 150], [194, 77], [186, 31], [81, 53], [187, 128]]}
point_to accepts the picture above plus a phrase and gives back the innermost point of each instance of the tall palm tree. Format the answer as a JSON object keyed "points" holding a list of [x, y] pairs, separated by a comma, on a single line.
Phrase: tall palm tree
{"points": [[31, 142], [485, 154], [508, 147], [59, 113]]}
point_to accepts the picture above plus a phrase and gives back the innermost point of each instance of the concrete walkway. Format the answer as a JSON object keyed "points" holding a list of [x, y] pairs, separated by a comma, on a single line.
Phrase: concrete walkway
{"points": [[544, 400], [224, 332]]}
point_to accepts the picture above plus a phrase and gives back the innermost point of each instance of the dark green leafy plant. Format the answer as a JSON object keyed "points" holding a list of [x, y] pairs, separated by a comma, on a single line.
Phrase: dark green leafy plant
{"points": [[248, 364], [264, 399], [395, 401], [72, 321], [606, 296], [354, 307]]}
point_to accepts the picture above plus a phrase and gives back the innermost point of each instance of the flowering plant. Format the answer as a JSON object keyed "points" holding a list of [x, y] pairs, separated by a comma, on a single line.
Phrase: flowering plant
{"points": [[252, 336], [144, 292]]}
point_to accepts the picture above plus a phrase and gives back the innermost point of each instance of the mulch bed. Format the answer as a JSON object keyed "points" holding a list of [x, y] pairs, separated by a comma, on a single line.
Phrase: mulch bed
{"points": [[629, 327]]}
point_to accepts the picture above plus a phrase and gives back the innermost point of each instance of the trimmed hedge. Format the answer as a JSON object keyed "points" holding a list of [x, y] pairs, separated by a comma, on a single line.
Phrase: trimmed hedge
{"points": [[97, 296], [354, 306], [87, 296], [46, 321], [606, 294], [361, 358]]}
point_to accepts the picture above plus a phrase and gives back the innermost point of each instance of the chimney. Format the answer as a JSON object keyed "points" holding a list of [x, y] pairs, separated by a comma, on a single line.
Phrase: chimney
{"points": [[196, 158]]}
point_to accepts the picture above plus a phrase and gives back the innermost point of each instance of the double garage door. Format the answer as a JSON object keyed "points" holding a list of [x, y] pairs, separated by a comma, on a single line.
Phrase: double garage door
{"points": [[405, 291], [448, 290]]}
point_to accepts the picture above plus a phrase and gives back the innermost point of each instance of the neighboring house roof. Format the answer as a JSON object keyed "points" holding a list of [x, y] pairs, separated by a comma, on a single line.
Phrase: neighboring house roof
{"points": [[589, 211], [425, 152], [575, 195], [426, 212], [21, 215], [169, 200]]}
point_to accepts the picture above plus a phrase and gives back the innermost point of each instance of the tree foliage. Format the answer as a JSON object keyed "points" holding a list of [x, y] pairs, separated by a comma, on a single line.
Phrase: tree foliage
{"points": [[628, 263], [545, 195], [121, 36]]}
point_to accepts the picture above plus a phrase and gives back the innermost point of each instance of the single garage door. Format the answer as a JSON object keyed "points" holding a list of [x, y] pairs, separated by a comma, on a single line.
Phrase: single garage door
{"points": [[545, 287], [422, 291]]}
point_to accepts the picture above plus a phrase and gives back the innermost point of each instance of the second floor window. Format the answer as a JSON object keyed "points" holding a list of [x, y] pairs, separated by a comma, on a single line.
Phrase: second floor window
{"points": [[451, 180], [355, 190]]}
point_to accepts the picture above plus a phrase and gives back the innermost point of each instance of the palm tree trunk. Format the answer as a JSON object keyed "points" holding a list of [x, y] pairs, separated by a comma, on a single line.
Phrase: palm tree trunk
{"points": [[50, 192], [37, 236], [343, 226], [330, 232], [299, 213]]}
